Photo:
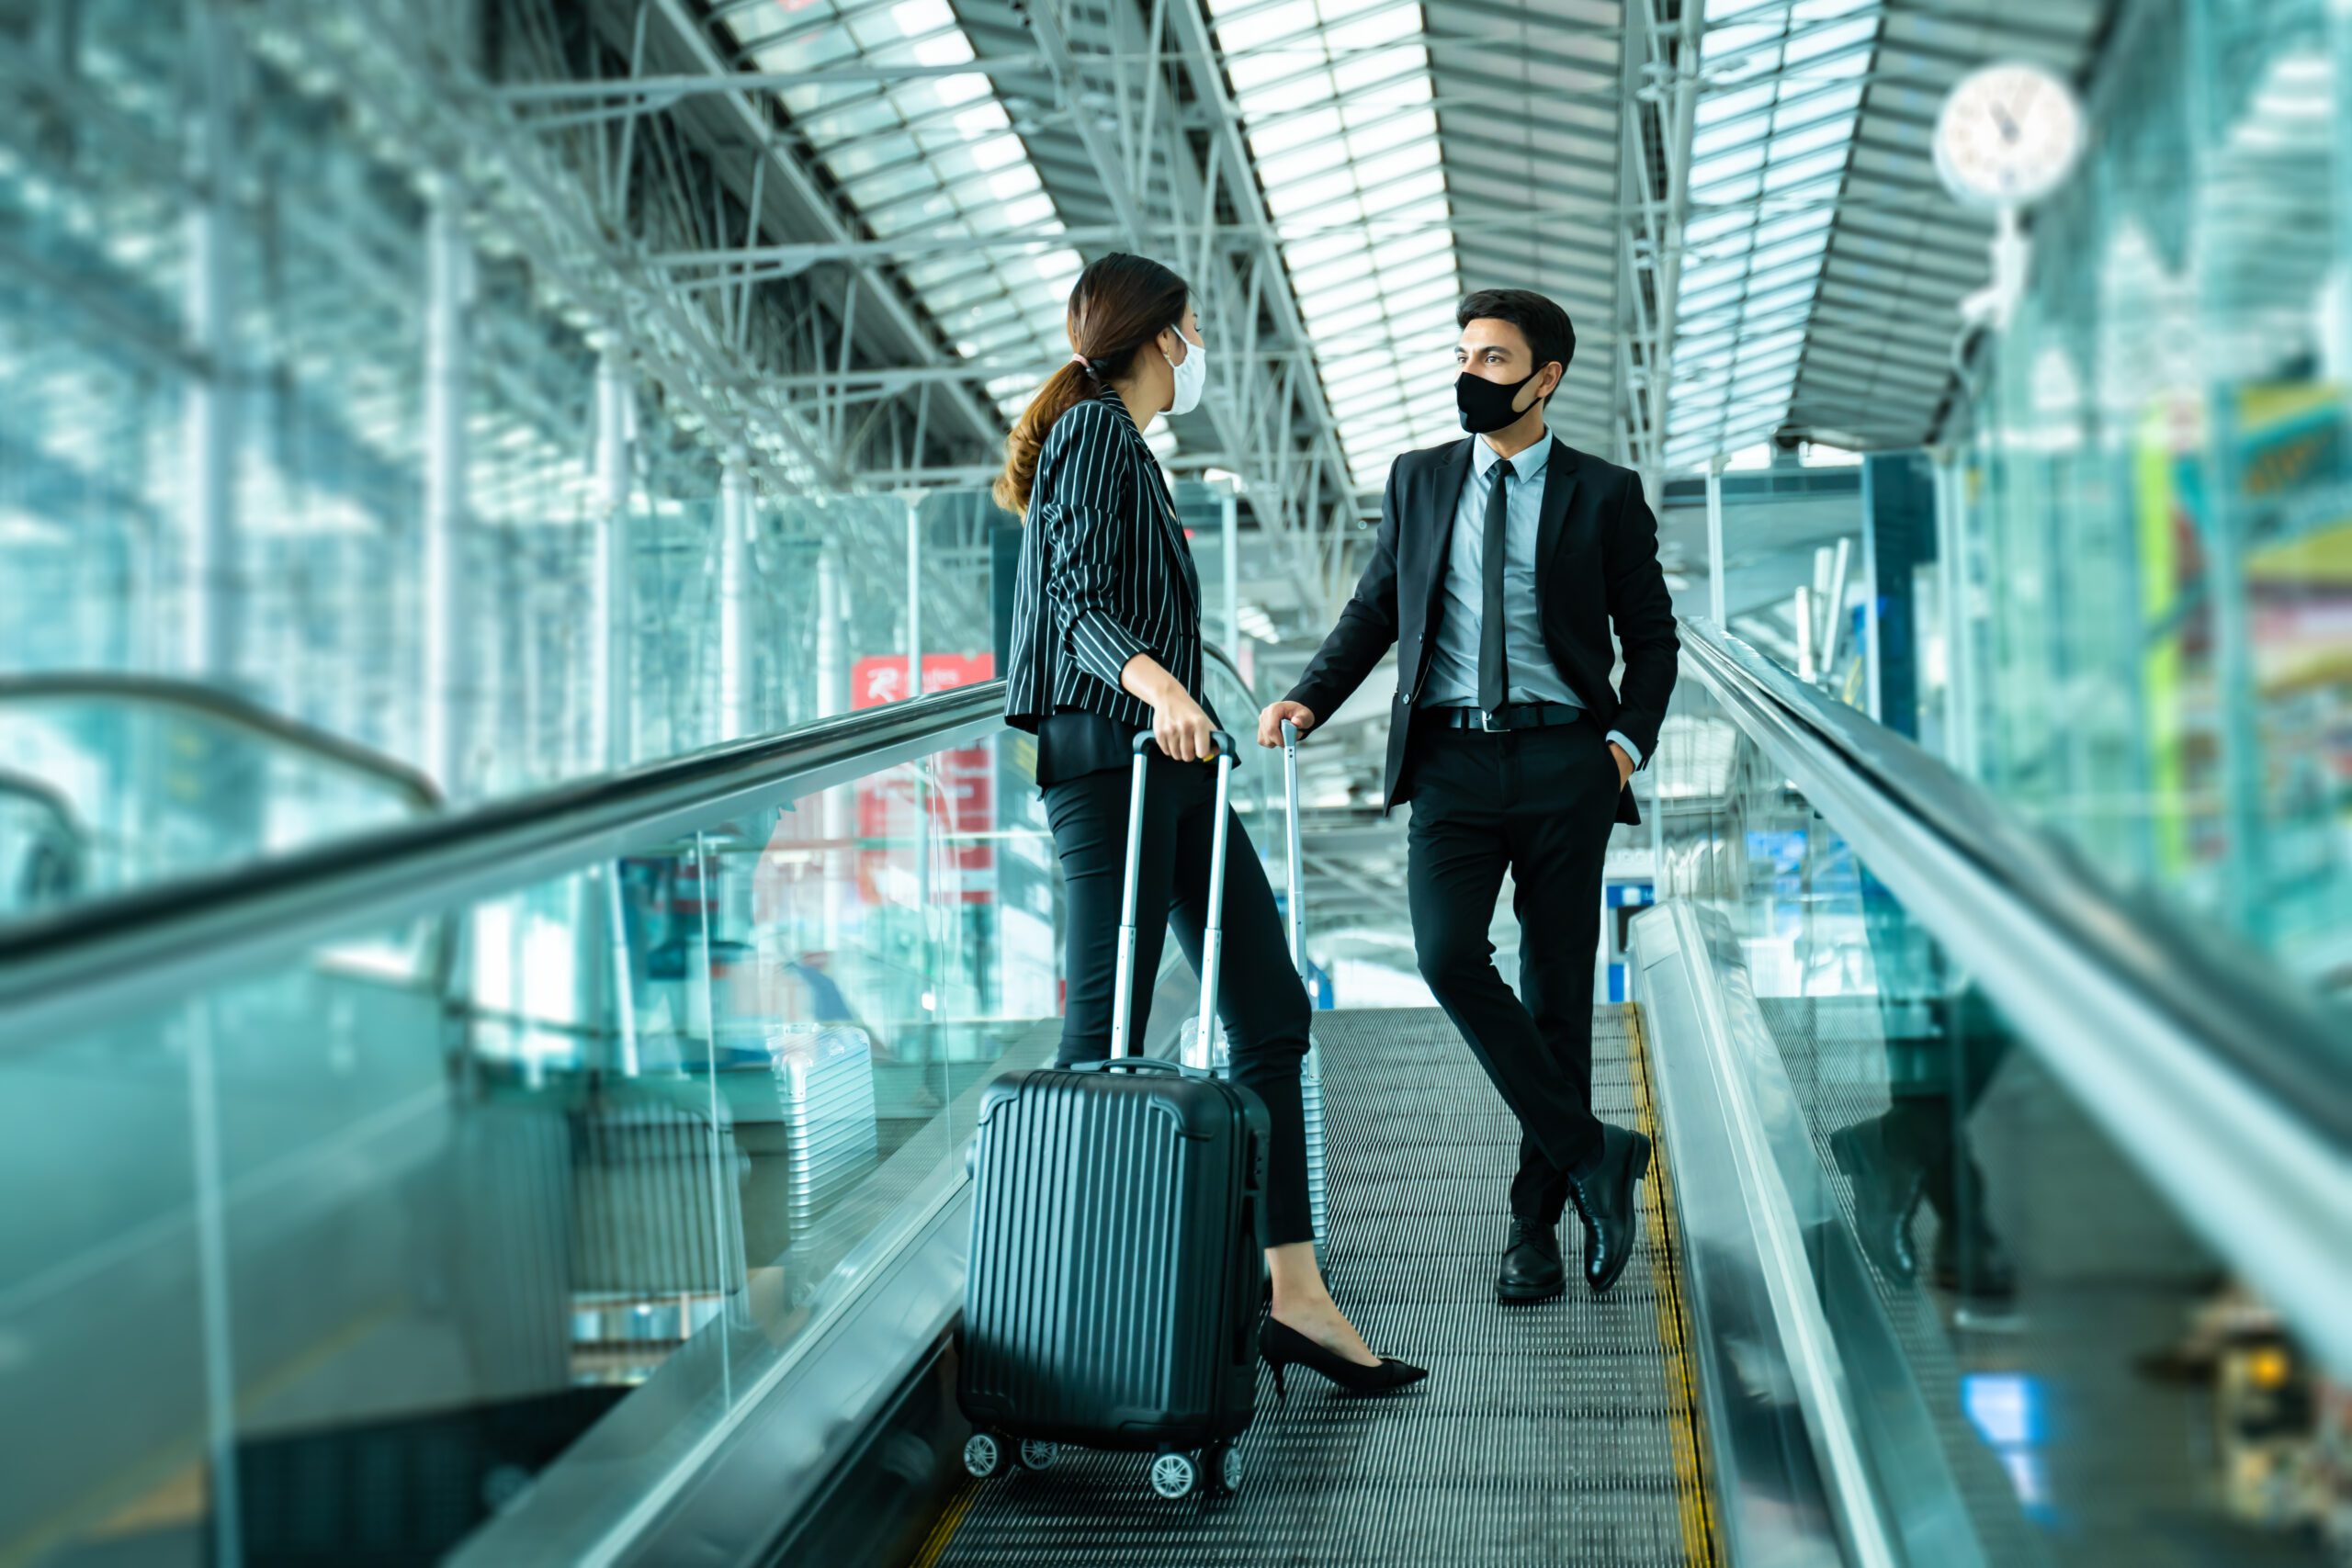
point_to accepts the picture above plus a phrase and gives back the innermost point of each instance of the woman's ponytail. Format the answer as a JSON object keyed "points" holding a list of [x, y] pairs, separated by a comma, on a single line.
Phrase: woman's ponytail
{"points": [[1119, 303], [1063, 390]]}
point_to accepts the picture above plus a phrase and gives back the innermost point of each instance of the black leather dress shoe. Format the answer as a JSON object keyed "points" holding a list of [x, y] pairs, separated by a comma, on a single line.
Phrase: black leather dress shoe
{"points": [[1605, 1197], [1969, 1259], [1531, 1269], [1886, 1191]]}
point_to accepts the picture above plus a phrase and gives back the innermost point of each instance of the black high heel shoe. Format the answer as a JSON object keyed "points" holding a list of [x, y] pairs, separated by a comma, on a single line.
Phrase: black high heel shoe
{"points": [[1282, 1344]]}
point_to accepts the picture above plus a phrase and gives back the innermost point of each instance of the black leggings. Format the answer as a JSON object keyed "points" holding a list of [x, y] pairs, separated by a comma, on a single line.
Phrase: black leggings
{"points": [[1259, 996]]}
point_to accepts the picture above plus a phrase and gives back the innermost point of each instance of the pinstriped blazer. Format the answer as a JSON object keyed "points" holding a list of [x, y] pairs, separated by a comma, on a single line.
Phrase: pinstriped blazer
{"points": [[1105, 573]]}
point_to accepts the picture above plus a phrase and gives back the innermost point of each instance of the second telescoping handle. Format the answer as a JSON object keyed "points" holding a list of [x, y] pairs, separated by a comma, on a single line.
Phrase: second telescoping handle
{"points": [[1213, 935], [1211, 938], [1294, 875]]}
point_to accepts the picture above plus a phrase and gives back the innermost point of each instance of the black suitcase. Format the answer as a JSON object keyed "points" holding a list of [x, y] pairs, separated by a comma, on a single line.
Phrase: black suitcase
{"points": [[1115, 1275]]}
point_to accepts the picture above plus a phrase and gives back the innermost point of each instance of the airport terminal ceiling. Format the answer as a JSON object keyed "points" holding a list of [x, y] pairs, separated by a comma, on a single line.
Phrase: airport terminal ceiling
{"points": [[1745, 194], [822, 249], [834, 236]]}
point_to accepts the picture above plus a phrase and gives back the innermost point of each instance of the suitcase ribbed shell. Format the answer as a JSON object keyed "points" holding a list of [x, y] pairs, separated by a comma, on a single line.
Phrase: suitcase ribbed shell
{"points": [[824, 1077], [651, 1216], [1115, 1278]]}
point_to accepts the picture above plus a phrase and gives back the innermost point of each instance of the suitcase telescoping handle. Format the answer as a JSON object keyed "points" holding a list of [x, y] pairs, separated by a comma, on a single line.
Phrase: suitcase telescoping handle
{"points": [[1212, 938], [1123, 985], [1292, 873]]}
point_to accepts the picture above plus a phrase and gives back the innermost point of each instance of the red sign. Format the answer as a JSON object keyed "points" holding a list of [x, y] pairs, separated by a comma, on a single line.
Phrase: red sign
{"points": [[883, 678], [963, 796]]}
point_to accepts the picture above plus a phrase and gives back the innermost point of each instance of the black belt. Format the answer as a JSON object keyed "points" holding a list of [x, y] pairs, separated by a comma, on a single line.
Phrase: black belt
{"points": [[1511, 715]]}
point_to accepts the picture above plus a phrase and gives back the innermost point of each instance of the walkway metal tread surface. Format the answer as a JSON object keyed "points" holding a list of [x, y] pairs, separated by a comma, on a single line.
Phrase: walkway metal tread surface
{"points": [[1543, 1434]]}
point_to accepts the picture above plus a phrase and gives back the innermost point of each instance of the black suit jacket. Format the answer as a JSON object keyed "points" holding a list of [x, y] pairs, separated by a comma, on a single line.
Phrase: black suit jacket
{"points": [[1596, 565]]}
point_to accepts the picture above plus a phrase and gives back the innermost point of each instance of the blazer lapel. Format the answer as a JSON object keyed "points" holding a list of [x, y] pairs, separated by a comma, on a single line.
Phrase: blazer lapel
{"points": [[1446, 479], [1156, 485], [1559, 487]]}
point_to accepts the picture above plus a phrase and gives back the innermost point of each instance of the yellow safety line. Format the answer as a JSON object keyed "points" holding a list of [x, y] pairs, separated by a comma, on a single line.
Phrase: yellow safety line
{"points": [[1700, 1541], [935, 1545]]}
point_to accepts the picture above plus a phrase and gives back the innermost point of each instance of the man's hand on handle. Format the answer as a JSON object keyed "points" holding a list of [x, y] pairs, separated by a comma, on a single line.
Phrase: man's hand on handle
{"points": [[1270, 723]]}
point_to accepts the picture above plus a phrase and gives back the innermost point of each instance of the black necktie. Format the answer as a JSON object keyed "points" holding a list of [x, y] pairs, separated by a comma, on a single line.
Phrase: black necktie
{"points": [[1494, 674]]}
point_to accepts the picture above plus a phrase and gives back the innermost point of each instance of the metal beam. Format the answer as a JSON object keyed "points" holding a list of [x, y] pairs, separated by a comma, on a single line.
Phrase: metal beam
{"points": [[733, 264], [1644, 242], [894, 376], [560, 226], [786, 173], [211, 574], [610, 643], [1123, 154], [1055, 48], [448, 678], [644, 93], [1272, 284], [739, 710]]}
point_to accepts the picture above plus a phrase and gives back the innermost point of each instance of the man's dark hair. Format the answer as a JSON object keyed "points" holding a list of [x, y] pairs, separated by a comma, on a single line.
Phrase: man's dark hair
{"points": [[1544, 324]]}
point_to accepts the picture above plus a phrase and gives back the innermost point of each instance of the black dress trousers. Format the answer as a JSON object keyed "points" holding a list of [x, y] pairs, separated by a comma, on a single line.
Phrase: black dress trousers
{"points": [[1539, 802], [1259, 996]]}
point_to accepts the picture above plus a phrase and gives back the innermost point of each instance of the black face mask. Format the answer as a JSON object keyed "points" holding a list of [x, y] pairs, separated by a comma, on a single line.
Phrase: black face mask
{"points": [[1486, 405]]}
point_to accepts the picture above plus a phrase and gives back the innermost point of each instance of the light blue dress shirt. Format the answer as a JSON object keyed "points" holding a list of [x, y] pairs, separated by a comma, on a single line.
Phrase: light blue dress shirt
{"points": [[1453, 662]]}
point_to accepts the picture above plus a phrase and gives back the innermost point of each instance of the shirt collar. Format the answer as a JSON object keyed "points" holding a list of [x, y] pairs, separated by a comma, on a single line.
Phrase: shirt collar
{"points": [[1527, 465]]}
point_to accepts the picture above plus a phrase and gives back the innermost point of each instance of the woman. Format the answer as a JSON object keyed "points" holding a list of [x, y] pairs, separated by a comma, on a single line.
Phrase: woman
{"points": [[1106, 644]]}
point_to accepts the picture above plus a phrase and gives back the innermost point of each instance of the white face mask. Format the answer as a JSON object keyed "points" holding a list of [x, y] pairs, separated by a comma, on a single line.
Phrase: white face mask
{"points": [[1192, 377]]}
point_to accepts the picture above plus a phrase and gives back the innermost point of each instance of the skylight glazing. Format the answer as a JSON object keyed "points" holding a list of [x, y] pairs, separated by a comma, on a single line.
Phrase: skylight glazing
{"points": [[935, 156], [1336, 102], [1780, 90]]}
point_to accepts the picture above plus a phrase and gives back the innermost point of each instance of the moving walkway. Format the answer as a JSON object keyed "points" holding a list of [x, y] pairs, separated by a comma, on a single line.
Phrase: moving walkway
{"points": [[1561, 1432], [345, 1251]]}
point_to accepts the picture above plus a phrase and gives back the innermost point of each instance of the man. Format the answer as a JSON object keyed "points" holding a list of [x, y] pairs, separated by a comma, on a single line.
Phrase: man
{"points": [[1500, 564]]}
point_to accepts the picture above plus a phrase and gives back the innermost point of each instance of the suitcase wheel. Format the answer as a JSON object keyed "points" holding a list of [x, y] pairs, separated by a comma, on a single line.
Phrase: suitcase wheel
{"points": [[1223, 1461], [1037, 1453], [1173, 1476], [983, 1455]]}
